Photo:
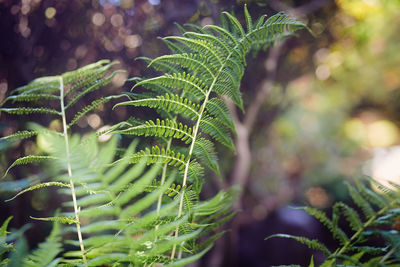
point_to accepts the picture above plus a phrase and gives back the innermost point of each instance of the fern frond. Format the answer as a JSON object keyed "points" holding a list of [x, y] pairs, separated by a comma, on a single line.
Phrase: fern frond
{"points": [[351, 216], [146, 201], [161, 128], [335, 230], [47, 251], [190, 259], [20, 135], [183, 81], [27, 160], [95, 104], [313, 244], [218, 131], [95, 86], [168, 102], [42, 185], [249, 20], [217, 108], [201, 47], [204, 150], [191, 62], [57, 219], [43, 84], [28, 111], [157, 155], [30, 97], [175, 48], [168, 67], [361, 202]]}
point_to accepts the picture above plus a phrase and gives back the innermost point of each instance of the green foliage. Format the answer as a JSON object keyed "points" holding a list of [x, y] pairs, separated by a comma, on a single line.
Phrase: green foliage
{"points": [[143, 207], [207, 64], [376, 217]]}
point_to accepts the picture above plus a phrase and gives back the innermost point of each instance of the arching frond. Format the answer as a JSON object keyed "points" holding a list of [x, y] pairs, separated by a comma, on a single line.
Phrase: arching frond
{"points": [[366, 225]]}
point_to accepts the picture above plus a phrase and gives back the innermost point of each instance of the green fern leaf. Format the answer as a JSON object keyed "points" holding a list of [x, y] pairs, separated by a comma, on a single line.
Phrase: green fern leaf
{"points": [[201, 47], [313, 244], [161, 128], [168, 102], [218, 131], [95, 104], [204, 150], [30, 97], [39, 85], [191, 62], [361, 202], [190, 259], [19, 136], [218, 109], [28, 111], [45, 255], [182, 81], [42, 185], [321, 216], [351, 216], [57, 219], [95, 86], [176, 48], [249, 21], [164, 66], [27, 160]]}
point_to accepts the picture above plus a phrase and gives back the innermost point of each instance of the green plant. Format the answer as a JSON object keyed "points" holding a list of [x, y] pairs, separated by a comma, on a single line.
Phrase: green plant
{"points": [[63, 92], [376, 217], [207, 64], [146, 215]]}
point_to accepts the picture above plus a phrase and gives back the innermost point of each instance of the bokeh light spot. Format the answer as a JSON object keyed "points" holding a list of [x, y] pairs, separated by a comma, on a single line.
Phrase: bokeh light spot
{"points": [[104, 137], [154, 2], [382, 133], [323, 72], [94, 121], [117, 20], [119, 79], [318, 197], [133, 41], [50, 12], [98, 19]]}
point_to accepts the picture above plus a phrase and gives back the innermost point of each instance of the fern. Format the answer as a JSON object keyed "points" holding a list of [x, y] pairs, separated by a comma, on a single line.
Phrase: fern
{"points": [[45, 255], [379, 211], [142, 207], [63, 91], [207, 64]]}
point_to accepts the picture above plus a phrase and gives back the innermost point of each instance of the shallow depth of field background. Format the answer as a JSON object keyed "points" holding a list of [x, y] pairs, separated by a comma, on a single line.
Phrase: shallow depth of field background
{"points": [[324, 108]]}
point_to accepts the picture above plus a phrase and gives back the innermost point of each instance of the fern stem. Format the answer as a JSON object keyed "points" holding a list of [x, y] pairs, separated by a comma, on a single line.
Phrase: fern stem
{"points": [[163, 176], [195, 133], [76, 209]]}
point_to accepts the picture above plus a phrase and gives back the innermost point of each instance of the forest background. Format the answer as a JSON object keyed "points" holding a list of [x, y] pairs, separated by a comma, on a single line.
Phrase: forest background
{"points": [[319, 109]]}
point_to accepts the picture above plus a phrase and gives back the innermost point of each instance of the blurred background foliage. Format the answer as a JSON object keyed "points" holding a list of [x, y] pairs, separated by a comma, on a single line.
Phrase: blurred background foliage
{"points": [[331, 110]]}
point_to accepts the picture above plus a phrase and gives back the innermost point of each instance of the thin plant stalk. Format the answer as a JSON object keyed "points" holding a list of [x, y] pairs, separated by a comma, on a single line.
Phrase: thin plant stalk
{"points": [[76, 209]]}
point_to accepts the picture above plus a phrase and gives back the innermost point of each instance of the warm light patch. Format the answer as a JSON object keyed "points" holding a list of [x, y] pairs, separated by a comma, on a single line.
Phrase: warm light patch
{"points": [[355, 130], [50, 12], [94, 121], [104, 137], [318, 197], [323, 72], [382, 133], [133, 41], [117, 20], [359, 8], [376, 133], [385, 165], [98, 19], [119, 79]]}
